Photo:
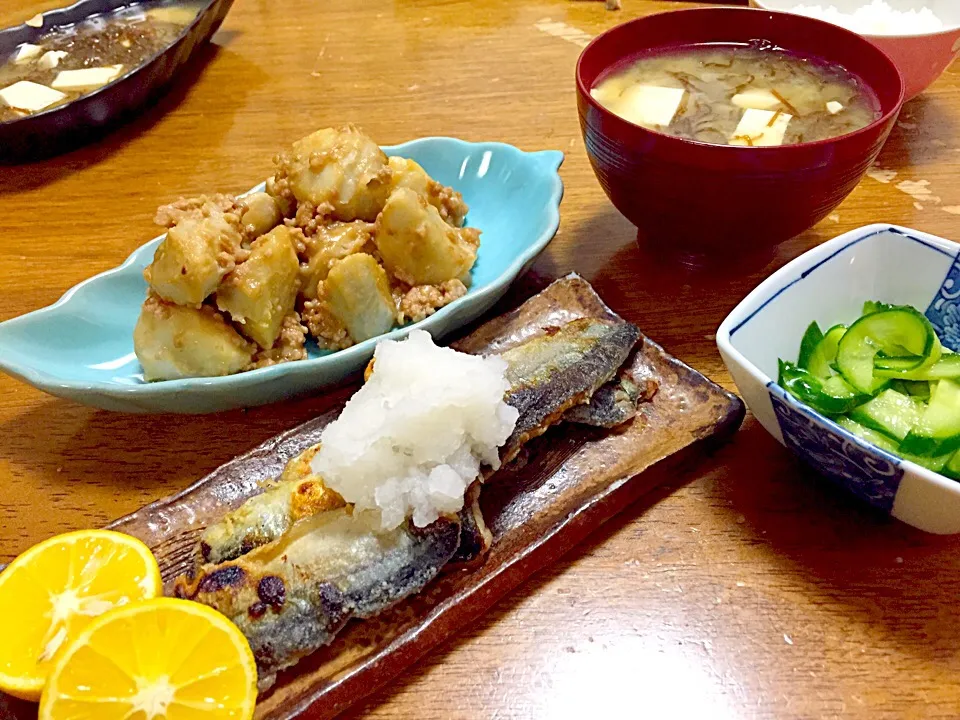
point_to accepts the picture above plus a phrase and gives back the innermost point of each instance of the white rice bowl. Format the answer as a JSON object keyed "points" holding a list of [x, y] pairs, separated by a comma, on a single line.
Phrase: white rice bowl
{"points": [[876, 17]]}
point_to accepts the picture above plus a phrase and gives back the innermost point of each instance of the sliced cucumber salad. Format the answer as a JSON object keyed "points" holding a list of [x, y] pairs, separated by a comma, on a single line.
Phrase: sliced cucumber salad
{"points": [[887, 379]]}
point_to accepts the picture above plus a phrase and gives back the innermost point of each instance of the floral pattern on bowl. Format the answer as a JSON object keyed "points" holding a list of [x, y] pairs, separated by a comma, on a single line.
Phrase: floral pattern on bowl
{"points": [[944, 310], [867, 471], [829, 284], [81, 347]]}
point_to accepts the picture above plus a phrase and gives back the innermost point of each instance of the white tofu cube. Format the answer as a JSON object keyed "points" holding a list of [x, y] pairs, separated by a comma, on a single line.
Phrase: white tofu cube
{"points": [[173, 15], [833, 107], [51, 59], [649, 105], [606, 94], [26, 52], [761, 128], [755, 99], [86, 79], [30, 96]]}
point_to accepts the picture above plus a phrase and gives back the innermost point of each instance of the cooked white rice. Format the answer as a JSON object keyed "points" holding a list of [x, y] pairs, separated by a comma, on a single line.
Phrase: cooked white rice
{"points": [[876, 18], [413, 438]]}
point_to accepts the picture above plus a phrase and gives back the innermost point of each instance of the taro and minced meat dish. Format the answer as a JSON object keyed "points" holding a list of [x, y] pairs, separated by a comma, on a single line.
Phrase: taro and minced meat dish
{"points": [[343, 245], [748, 95], [68, 62]]}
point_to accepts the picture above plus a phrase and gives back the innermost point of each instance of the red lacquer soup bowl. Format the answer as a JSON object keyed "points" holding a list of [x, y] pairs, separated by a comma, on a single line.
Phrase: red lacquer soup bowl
{"points": [[692, 196]]}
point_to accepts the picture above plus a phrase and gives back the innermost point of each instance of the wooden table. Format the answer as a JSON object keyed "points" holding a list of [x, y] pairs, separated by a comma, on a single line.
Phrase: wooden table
{"points": [[746, 588]]}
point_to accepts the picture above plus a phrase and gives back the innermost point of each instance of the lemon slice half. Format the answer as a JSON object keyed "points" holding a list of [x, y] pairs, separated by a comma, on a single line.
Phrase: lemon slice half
{"points": [[162, 659], [55, 589]]}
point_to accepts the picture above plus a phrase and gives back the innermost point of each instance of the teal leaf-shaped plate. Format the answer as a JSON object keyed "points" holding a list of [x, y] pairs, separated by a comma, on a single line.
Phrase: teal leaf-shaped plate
{"points": [[81, 347]]}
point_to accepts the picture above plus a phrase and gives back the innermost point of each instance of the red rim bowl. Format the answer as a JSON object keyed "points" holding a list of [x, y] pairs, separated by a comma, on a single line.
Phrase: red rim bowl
{"points": [[691, 196]]}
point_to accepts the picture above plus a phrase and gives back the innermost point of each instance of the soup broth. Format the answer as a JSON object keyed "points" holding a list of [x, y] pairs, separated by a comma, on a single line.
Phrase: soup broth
{"points": [[748, 95], [70, 61]]}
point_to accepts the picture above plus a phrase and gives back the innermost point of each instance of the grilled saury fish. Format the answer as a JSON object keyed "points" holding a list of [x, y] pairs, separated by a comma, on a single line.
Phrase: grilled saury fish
{"points": [[292, 565]]}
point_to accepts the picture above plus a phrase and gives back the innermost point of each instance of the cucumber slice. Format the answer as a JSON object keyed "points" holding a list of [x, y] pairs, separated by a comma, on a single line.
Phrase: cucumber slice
{"points": [[871, 436], [889, 331], [833, 397], [872, 306], [938, 430], [811, 339], [917, 388], [821, 360], [891, 413], [952, 468], [837, 387], [897, 365], [948, 366], [937, 464]]}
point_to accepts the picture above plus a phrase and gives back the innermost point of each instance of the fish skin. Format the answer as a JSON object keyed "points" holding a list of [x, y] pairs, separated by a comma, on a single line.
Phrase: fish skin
{"points": [[475, 537], [615, 403], [261, 519], [549, 374], [292, 596], [291, 574], [563, 368]]}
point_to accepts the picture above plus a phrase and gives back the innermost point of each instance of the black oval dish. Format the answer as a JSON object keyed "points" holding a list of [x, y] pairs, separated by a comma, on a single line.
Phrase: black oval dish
{"points": [[68, 126]]}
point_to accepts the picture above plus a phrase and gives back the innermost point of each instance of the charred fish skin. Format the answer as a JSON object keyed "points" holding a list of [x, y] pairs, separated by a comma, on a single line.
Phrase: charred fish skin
{"points": [[298, 493], [283, 619], [292, 597], [554, 372], [551, 376], [260, 520], [475, 537], [614, 404], [373, 589]]}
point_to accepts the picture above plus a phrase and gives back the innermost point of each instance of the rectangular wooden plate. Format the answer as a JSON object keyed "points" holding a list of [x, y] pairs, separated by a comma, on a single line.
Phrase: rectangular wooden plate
{"points": [[561, 488]]}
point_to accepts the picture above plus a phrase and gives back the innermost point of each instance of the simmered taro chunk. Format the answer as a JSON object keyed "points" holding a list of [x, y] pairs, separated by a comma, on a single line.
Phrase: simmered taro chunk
{"points": [[260, 213], [342, 173], [408, 173], [330, 243], [417, 246], [358, 292], [262, 291], [193, 258], [172, 341]]}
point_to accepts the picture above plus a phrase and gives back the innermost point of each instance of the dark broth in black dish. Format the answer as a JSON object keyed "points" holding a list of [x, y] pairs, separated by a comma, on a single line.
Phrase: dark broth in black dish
{"points": [[126, 37], [67, 126]]}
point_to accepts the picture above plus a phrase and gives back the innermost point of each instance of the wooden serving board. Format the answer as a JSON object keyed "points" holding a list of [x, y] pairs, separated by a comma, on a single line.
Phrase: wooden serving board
{"points": [[562, 487]]}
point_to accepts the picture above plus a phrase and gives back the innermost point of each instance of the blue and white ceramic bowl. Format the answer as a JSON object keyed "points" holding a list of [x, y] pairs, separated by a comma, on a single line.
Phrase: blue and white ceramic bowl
{"points": [[829, 284], [81, 348]]}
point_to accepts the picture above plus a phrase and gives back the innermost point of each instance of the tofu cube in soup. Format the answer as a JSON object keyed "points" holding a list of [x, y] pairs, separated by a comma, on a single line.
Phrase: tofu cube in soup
{"points": [[172, 341], [418, 246], [358, 292], [329, 244], [193, 258], [342, 173], [263, 288]]}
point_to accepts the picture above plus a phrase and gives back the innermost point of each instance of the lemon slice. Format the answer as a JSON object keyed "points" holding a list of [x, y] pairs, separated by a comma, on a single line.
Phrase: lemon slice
{"points": [[52, 591], [162, 659]]}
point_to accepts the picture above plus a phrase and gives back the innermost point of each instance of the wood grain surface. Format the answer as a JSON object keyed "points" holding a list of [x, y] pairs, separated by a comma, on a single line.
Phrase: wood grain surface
{"points": [[747, 588]]}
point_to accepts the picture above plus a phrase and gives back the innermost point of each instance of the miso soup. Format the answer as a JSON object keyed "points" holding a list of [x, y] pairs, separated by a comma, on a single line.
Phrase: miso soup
{"points": [[748, 95]]}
